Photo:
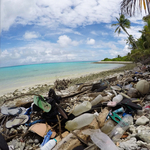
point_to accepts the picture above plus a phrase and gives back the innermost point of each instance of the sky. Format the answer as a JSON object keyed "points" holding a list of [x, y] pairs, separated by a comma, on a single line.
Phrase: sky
{"points": [[44, 31]]}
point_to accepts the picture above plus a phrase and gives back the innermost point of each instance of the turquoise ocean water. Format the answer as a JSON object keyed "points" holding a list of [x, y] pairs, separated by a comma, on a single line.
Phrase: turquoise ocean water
{"points": [[19, 77]]}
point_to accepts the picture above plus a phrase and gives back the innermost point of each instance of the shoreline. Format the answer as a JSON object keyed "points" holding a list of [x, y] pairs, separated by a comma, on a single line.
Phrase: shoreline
{"points": [[114, 62], [44, 88], [48, 81]]}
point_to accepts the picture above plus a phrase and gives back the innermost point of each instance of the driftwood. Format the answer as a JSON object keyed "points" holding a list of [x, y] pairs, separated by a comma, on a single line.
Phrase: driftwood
{"points": [[70, 141], [99, 121], [74, 94], [83, 85], [59, 127], [58, 138], [28, 94], [112, 79], [81, 140]]}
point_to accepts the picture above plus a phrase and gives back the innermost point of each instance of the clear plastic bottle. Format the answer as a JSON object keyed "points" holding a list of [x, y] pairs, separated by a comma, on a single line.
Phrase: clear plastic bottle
{"points": [[83, 107], [121, 127], [117, 98], [108, 126], [102, 140], [80, 121], [98, 99], [49, 145]]}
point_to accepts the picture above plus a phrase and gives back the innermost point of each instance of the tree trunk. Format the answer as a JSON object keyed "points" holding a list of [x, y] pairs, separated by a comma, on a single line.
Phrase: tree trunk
{"points": [[129, 36]]}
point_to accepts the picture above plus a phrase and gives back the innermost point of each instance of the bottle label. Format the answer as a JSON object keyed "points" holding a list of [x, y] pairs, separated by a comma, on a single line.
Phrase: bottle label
{"points": [[124, 124]]}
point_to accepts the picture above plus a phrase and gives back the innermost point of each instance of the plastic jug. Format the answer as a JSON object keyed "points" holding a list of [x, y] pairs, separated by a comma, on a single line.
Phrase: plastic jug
{"points": [[98, 99], [121, 127], [80, 121], [117, 98], [49, 145], [83, 107]]}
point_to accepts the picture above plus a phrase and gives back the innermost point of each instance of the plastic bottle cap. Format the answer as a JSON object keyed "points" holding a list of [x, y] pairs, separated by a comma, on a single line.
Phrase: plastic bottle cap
{"points": [[55, 140]]}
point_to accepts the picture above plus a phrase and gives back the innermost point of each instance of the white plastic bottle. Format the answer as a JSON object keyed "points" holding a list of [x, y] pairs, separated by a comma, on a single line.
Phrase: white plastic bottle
{"points": [[80, 121], [83, 107], [49, 145], [98, 99], [117, 98], [107, 98]]}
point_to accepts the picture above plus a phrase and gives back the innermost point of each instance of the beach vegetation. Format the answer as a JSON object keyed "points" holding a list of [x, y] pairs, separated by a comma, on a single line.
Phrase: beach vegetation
{"points": [[140, 48]]}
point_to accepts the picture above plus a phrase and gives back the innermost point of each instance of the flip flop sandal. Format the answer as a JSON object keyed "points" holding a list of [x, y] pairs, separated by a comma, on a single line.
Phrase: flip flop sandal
{"points": [[128, 103], [21, 111], [41, 129], [19, 120], [40, 102], [14, 111]]}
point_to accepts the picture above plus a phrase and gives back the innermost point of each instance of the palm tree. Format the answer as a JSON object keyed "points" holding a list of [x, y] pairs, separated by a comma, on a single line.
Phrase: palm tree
{"points": [[122, 24], [146, 34], [129, 6]]}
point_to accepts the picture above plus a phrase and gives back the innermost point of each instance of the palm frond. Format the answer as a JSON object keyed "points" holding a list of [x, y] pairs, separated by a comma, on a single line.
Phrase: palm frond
{"points": [[117, 29], [128, 7], [115, 24]]}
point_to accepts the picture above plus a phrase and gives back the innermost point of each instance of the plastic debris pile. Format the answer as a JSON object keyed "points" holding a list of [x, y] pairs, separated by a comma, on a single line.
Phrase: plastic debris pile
{"points": [[111, 113]]}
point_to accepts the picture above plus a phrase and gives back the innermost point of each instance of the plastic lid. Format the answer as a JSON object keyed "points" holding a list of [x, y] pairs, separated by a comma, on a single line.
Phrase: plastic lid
{"points": [[55, 140]]}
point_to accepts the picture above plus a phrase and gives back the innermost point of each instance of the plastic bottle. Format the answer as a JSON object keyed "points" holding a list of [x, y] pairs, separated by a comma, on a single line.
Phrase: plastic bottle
{"points": [[121, 127], [108, 126], [132, 92], [107, 98], [49, 145], [98, 99], [83, 107], [80, 121], [120, 110], [102, 140], [117, 98]]}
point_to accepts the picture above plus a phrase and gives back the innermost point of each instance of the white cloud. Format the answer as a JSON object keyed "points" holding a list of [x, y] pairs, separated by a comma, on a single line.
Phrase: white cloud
{"points": [[93, 32], [90, 41], [65, 41], [31, 35], [114, 51], [52, 13], [60, 31], [126, 50], [42, 52]]}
